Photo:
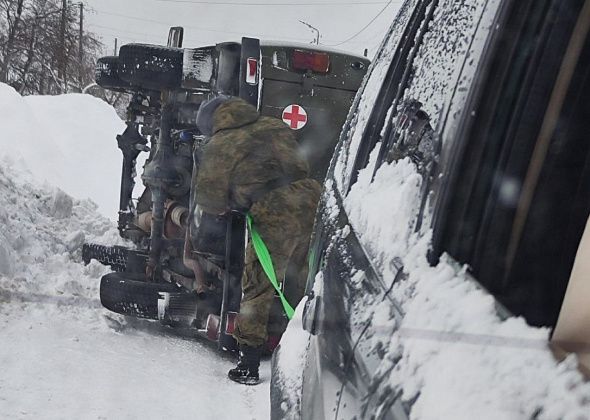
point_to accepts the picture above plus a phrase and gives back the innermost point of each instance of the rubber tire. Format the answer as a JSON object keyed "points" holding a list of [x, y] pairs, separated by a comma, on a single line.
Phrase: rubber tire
{"points": [[128, 294], [107, 75], [151, 67]]}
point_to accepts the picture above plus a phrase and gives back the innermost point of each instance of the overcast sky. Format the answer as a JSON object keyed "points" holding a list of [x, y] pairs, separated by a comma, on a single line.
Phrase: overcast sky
{"points": [[208, 22]]}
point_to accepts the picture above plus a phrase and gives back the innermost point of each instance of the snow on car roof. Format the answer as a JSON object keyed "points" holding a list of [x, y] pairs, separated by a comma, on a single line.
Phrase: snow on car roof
{"points": [[321, 48], [288, 44]]}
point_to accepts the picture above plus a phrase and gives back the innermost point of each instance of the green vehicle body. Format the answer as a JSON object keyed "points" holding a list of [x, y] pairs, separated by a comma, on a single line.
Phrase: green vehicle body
{"points": [[310, 88]]}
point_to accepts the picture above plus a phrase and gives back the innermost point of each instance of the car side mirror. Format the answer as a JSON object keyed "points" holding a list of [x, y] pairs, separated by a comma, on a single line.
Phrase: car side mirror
{"points": [[311, 312]]}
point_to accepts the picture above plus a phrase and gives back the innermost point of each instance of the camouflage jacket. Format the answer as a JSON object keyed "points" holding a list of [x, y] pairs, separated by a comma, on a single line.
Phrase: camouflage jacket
{"points": [[246, 154]]}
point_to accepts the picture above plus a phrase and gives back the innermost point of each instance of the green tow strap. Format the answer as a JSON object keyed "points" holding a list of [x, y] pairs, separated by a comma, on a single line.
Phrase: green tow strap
{"points": [[267, 266]]}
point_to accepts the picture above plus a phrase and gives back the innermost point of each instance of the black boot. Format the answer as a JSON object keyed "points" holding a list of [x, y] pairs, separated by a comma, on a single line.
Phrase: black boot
{"points": [[246, 372]]}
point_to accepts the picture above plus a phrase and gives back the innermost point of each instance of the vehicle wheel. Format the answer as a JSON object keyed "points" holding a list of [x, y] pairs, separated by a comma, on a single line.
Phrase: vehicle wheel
{"points": [[127, 294], [107, 75], [151, 66]]}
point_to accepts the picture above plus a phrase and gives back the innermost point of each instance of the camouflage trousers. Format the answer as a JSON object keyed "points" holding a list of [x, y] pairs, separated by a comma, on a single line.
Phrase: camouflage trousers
{"points": [[284, 219]]}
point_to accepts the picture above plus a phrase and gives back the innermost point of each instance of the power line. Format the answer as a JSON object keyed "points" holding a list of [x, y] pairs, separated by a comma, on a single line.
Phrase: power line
{"points": [[159, 22], [140, 37], [130, 39], [272, 4], [242, 33], [376, 37], [152, 36], [195, 27], [364, 27]]}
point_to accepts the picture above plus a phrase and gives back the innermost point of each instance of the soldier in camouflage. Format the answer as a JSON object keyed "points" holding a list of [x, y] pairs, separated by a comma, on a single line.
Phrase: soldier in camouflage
{"points": [[252, 164]]}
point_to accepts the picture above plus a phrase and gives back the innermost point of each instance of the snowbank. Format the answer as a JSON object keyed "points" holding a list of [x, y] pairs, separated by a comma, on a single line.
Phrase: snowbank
{"points": [[66, 140], [43, 230]]}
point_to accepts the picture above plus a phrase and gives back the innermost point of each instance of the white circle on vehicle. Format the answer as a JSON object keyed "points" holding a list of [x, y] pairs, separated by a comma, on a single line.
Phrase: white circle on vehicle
{"points": [[295, 117]]}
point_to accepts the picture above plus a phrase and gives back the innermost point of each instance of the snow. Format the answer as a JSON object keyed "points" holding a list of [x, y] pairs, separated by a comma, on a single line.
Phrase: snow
{"points": [[62, 355], [459, 358], [440, 58], [301, 45], [68, 141], [198, 64], [385, 239], [452, 46], [368, 95], [290, 360]]}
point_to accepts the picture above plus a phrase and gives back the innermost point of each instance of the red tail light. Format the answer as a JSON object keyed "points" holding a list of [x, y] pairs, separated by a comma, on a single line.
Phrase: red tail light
{"points": [[314, 61], [230, 322], [251, 71], [212, 327]]}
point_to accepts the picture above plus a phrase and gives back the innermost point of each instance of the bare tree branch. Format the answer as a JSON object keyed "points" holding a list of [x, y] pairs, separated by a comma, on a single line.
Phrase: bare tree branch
{"points": [[34, 57]]}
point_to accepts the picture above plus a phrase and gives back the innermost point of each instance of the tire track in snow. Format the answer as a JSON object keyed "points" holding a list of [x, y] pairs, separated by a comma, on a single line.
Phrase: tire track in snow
{"points": [[22, 297]]}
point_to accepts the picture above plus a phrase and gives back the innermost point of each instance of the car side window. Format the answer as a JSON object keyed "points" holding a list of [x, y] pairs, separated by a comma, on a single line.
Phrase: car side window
{"points": [[442, 67], [404, 152], [359, 120], [521, 199]]}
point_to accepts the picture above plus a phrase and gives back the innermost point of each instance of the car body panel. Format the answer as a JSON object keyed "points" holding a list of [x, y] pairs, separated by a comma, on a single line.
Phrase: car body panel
{"points": [[384, 263]]}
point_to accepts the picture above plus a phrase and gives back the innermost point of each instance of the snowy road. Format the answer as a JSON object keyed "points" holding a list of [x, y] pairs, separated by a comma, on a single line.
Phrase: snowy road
{"points": [[69, 361], [62, 361]]}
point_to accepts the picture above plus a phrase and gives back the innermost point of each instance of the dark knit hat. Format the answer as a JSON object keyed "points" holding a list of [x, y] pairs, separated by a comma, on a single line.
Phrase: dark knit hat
{"points": [[206, 111]]}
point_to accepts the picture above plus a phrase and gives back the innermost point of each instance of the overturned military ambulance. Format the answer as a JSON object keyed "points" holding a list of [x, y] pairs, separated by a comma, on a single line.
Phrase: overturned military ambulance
{"points": [[311, 89]]}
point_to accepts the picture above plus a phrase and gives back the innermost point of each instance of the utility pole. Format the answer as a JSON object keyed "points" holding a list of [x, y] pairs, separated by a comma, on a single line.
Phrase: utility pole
{"points": [[115, 51], [61, 74], [80, 46]]}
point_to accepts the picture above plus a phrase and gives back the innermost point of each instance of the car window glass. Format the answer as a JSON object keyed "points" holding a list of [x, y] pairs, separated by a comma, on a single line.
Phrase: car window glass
{"points": [[442, 54], [346, 155], [533, 280], [394, 190], [526, 264], [439, 73]]}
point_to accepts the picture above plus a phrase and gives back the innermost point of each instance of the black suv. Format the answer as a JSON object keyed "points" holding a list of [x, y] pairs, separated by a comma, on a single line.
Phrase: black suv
{"points": [[453, 211]]}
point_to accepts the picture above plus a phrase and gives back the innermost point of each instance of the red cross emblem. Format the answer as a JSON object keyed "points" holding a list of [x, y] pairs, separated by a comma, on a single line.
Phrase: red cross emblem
{"points": [[295, 117]]}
